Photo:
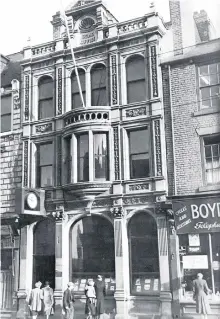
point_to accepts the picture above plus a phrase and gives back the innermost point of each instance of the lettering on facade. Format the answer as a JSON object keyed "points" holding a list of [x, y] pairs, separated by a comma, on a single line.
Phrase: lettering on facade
{"points": [[136, 112], [158, 147], [44, 128], [60, 92], [88, 38], [114, 80], [26, 100], [116, 153], [153, 54], [25, 171], [197, 215]]}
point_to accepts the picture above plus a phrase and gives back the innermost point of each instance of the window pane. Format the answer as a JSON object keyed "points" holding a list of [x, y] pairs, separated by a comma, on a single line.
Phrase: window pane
{"points": [[215, 94], [100, 156], [135, 69], [46, 109], [46, 154], [140, 166], [46, 88], [5, 123], [99, 97], [205, 92], [83, 157], [139, 141], [204, 70], [98, 76], [208, 151], [76, 100], [46, 176], [144, 256], [213, 68], [204, 80], [136, 91], [6, 105], [75, 87]]}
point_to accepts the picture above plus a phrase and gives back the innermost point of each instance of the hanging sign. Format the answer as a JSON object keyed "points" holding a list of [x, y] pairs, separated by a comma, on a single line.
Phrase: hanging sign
{"points": [[195, 262], [197, 215]]}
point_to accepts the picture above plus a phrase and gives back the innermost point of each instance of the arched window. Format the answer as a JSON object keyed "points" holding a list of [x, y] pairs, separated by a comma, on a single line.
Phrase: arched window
{"points": [[46, 106], [92, 252], [76, 99], [98, 85], [144, 256], [136, 82], [44, 252]]}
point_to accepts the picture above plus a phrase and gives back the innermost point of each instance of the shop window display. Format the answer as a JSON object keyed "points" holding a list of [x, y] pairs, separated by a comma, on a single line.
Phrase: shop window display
{"points": [[199, 253]]}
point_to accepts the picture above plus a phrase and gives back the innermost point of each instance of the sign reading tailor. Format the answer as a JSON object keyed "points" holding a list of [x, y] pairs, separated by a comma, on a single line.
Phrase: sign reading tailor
{"points": [[197, 215]]}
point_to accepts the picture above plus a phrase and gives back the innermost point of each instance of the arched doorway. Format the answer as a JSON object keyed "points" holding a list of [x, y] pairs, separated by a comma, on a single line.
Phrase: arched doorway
{"points": [[144, 255], [92, 252], [44, 252]]}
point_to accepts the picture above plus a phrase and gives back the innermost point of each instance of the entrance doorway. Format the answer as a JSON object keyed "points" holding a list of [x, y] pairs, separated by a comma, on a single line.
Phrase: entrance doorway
{"points": [[44, 252]]}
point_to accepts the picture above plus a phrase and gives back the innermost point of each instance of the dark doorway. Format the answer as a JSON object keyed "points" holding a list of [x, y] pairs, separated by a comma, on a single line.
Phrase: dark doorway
{"points": [[44, 252]]}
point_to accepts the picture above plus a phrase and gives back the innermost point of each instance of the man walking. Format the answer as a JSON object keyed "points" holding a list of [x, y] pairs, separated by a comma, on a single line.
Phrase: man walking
{"points": [[68, 300]]}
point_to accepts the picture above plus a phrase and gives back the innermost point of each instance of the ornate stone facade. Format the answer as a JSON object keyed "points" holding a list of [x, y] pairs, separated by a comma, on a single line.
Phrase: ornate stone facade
{"points": [[158, 148], [153, 55], [138, 187], [116, 153], [60, 91], [25, 164], [136, 112], [114, 77], [26, 101], [43, 128]]}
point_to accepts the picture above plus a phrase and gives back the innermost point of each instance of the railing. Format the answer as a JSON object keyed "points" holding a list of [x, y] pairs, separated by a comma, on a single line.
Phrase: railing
{"points": [[43, 49], [131, 26]]}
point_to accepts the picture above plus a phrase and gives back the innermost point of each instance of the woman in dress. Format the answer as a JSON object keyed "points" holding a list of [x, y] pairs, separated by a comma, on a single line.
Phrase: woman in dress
{"points": [[48, 300], [200, 292], [100, 296], [90, 309], [35, 300]]}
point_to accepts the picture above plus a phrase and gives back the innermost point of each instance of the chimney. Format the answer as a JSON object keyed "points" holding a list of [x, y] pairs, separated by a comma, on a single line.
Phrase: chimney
{"points": [[202, 26], [175, 16]]}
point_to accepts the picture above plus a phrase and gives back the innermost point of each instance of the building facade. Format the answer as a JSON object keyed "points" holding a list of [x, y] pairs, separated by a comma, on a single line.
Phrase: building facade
{"points": [[101, 163], [11, 177], [191, 89]]}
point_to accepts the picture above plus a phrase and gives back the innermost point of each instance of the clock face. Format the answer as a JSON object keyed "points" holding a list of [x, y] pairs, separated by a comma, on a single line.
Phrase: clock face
{"points": [[32, 200]]}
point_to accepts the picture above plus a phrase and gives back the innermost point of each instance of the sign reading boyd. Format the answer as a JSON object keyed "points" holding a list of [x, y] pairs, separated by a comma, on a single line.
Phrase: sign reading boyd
{"points": [[197, 215]]}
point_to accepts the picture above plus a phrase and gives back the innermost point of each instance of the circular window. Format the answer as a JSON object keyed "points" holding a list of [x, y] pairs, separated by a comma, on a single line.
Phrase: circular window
{"points": [[87, 24]]}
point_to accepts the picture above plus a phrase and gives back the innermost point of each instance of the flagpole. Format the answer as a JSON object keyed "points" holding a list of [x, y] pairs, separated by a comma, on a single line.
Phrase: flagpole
{"points": [[73, 55]]}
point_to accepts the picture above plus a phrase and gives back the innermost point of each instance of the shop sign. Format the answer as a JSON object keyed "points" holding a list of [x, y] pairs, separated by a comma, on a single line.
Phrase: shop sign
{"points": [[216, 265], [197, 215], [195, 262]]}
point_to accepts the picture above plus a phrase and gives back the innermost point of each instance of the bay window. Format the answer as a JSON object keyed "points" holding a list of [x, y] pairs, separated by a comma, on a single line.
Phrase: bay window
{"points": [[83, 157], [100, 156], [139, 152], [45, 158], [76, 99], [45, 103], [209, 84], [136, 79], [212, 159]]}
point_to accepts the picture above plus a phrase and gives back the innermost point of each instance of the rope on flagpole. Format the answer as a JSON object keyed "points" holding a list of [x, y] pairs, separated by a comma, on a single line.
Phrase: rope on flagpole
{"points": [[73, 55]]}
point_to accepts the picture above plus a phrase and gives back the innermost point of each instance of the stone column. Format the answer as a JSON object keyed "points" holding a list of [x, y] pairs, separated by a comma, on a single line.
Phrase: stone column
{"points": [[121, 264], [58, 266], [165, 294], [22, 293]]}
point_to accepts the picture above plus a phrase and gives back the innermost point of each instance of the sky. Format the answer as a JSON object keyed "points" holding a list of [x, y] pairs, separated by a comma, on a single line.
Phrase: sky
{"points": [[22, 19]]}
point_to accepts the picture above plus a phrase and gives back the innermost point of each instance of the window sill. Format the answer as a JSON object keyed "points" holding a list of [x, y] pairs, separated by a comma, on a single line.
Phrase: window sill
{"points": [[211, 110], [209, 188], [144, 179]]}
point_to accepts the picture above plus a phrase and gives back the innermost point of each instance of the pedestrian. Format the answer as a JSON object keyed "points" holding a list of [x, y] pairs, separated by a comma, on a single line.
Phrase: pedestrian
{"points": [[100, 296], [48, 299], [35, 300], [200, 292], [68, 301], [90, 308]]}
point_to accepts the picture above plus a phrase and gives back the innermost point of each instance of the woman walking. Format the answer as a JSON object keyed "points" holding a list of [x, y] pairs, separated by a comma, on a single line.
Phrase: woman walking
{"points": [[200, 292], [35, 300], [48, 300], [100, 296]]}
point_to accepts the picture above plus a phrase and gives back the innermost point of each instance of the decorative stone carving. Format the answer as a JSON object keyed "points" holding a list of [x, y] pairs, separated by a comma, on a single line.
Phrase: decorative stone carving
{"points": [[60, 91], [25, 165], [86, 116], [26, 100], [118, 212], [114, 88], [153, 54], [138, 187], [116, 153], [137, 200], [43, 128], [16, 100], [158, 148], [136, 112], [132, 26], [59, 160], [102, 203]]}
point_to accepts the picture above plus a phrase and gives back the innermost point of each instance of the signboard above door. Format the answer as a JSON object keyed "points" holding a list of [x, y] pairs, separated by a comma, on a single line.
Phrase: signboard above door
{"points": [[197, 215]]}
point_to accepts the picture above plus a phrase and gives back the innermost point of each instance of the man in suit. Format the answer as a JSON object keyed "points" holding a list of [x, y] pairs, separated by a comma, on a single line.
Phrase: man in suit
{"points": [[68, 300]]}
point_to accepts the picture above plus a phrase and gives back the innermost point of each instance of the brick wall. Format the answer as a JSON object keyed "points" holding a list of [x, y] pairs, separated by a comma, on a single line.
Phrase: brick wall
{"points": [[11, 163], [175, 17], [187, 143]]}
